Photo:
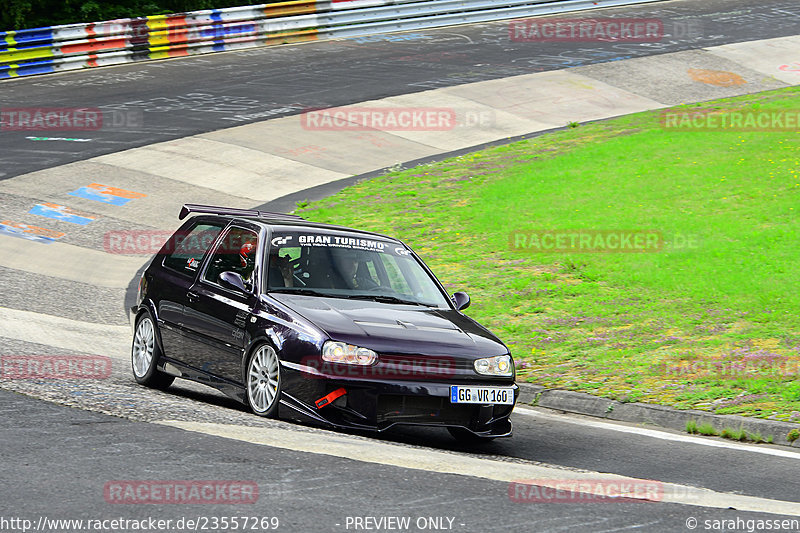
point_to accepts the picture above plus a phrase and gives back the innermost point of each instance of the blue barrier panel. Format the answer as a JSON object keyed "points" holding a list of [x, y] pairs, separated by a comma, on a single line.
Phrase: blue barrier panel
{"points": [[26, 38], [26, 69]]}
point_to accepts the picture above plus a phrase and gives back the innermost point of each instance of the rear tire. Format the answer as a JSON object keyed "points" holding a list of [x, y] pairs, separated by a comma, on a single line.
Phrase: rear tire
{"points": [[264, 381], [145, 354]]}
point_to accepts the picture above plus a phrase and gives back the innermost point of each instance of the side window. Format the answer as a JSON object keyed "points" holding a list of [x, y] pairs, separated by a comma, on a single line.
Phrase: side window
{"points": [[235, 252], [187, 247]]}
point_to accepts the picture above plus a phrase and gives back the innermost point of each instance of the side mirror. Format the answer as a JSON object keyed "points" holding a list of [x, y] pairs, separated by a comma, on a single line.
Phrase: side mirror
{"points": [[461, 299], [232, 280]]}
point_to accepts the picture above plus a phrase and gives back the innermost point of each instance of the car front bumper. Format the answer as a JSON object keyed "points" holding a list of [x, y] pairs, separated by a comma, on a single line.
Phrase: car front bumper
{"points": [[377, 405]]}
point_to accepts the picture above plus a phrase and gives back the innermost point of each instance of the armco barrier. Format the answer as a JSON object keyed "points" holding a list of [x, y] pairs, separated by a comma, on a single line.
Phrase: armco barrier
{"points": [[113, 42]]}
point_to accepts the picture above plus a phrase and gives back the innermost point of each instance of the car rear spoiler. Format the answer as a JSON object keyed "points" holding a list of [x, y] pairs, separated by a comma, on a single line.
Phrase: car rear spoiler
{"points": [[232, 211]]}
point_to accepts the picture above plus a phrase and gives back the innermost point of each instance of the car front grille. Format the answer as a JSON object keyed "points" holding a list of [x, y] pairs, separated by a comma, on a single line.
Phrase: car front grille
{"points": [[422, 409]]}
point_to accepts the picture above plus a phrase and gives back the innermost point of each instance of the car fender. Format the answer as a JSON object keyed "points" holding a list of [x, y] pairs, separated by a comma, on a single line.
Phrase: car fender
{"points": [[269, 336], [149, 305]]}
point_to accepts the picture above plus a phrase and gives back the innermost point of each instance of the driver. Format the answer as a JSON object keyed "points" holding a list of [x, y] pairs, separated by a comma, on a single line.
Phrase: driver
{"points": [[284, 265], [247, 255], [347, 263]]}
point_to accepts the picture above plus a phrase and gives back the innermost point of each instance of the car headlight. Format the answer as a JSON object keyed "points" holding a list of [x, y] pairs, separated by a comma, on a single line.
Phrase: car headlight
{"points": [[495, 366], [340, 352]]}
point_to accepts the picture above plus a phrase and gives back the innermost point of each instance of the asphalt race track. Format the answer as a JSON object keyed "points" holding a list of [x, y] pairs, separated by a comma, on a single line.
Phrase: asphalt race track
{"points": [[163, 100], [65, 441]]}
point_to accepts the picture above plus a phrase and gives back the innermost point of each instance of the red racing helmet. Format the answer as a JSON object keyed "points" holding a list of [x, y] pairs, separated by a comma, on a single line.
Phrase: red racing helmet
{"points": [[246, 252]]}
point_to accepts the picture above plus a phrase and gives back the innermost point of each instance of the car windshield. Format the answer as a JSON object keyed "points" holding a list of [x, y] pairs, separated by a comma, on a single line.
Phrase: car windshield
{"points": [[349, 266]]}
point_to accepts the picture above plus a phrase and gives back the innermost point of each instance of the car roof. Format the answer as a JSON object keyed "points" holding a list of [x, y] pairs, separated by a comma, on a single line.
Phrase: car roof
{"points": [[291, 225], [274, 221]]}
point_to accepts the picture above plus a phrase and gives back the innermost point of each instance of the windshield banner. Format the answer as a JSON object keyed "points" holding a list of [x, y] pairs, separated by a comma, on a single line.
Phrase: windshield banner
{"points": [[317, 240]]}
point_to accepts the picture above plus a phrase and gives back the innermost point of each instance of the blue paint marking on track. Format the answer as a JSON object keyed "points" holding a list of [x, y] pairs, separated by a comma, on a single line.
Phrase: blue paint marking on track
{"points": [[11, 231], [93, 194], [60, 212]]}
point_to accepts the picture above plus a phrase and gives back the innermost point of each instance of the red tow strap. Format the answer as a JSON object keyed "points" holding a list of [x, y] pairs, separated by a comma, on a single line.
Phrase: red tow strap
{"points": [[325, 400]]}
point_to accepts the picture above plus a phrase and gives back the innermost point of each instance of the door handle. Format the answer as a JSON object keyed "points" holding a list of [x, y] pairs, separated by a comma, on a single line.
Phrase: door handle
{"points": [[192, 296]]}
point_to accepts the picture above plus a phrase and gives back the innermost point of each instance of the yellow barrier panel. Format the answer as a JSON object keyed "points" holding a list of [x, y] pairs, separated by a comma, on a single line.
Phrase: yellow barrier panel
{"points": [[281, 9], [25, 54], [157, 22], [291, 37]]}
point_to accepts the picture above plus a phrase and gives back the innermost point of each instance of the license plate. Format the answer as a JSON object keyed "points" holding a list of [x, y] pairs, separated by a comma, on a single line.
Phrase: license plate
{"points": [[482, 395]]}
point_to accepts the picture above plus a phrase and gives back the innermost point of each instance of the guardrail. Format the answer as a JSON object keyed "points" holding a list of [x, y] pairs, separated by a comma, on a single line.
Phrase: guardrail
{"points": [[76, 46]]}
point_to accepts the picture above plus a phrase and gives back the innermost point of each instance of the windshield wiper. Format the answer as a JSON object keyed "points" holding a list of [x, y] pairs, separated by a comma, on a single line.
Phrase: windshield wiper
{"points": [[297, 290], [374, 297], [306, 292], [384, 299]]}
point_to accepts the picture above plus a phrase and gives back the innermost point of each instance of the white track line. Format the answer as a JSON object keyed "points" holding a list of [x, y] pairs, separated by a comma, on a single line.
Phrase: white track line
{"points": [[384, 453], [70, 262], [663, 435], [64, 333], [114, 341]]}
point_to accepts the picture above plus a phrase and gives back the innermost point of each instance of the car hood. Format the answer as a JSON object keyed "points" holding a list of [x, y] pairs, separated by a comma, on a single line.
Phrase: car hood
{"points": [[396, 328]]}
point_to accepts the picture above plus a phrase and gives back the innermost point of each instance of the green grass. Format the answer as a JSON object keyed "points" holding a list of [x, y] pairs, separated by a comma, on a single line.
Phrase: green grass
{"points": [[701, 429], [734, 434], [710, 322], [740, 434]]}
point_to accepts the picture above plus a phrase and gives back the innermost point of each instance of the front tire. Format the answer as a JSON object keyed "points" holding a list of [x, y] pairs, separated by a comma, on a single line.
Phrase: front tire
{"points": [[145, 354], [264, 381]]}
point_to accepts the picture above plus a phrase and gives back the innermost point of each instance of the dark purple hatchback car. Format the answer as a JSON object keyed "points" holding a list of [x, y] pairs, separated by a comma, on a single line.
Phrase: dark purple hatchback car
{"points": [[317, 322]]}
